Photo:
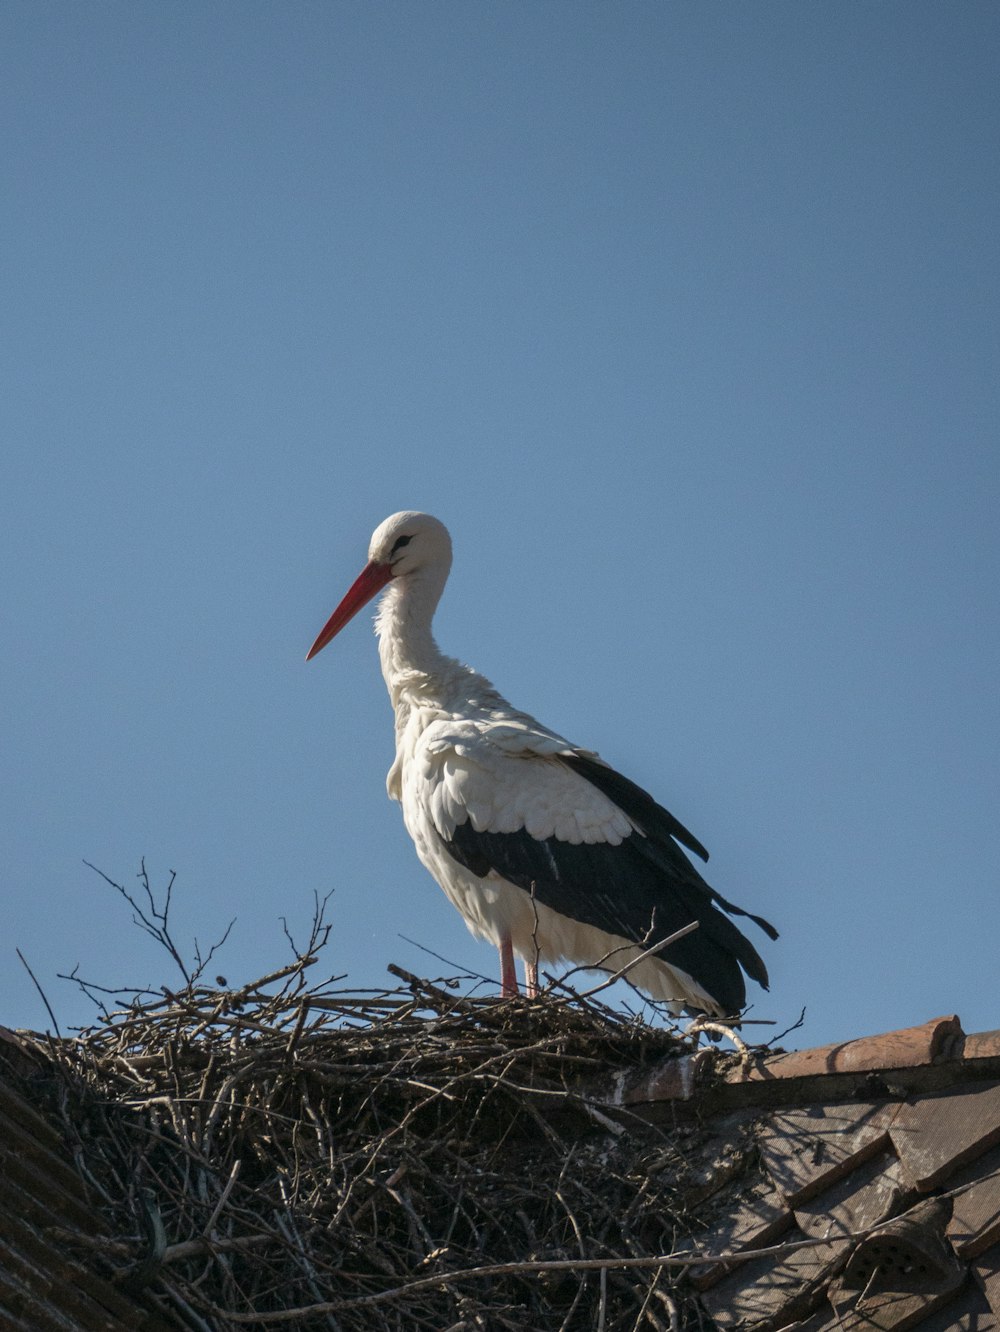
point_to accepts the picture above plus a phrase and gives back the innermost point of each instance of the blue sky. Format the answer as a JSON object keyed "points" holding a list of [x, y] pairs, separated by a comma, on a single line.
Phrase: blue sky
{"points": [[682, 317]]}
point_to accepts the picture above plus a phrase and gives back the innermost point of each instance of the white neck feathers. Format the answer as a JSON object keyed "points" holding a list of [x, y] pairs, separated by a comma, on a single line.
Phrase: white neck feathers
{"points": [[412, 663]]}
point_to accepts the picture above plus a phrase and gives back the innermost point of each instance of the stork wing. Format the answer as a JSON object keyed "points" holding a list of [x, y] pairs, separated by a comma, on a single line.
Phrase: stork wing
{"points": [[587, 842], [639, 804], [652, 819]]}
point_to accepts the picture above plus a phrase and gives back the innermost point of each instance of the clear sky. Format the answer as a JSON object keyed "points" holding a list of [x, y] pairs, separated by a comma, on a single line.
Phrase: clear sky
{"points": [[682, 317]]}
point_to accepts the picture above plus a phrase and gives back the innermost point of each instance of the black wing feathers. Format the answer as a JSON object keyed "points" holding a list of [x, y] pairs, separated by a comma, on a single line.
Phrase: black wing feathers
{"points": [[655, 821], [637, 803], [641, 890]]}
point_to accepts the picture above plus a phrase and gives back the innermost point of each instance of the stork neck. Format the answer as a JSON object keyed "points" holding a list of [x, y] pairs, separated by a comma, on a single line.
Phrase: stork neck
{"points": [[411, 659]]}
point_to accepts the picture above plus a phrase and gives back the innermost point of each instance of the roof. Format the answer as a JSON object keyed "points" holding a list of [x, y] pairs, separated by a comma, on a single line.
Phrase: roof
{"points": [[857, 1186], [851, 1187], [44, 1195]]}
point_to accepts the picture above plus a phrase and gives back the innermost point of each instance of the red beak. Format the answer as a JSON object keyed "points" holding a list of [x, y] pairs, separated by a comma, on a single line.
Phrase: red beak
{"points": [[369, 582]]}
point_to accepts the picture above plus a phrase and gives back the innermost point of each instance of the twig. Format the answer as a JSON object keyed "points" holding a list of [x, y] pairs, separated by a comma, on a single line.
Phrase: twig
{"points": [[788, 1030], [223, 1199], [701, 1024], [602, 1312], [676, 1261], [41, 992], [371, 1146], [642, 957]]}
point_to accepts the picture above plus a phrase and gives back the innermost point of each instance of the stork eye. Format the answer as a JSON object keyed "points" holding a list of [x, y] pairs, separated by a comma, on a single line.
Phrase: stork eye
{"points": [[399, 543]]}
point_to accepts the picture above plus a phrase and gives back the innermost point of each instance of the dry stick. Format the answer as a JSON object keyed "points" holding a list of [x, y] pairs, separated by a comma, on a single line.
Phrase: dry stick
{"points": [[173, 1253], [251, 991], [671, 1307], [720, 1029], [294, 1239], [191, 1318], [578, 1293], [413, 1061], [40, 991], [647, 953], [293, 1040], [675, 1261], [644, 1307], [603, 1310], [668, 1303], [223, 1199], [452, 1002]]}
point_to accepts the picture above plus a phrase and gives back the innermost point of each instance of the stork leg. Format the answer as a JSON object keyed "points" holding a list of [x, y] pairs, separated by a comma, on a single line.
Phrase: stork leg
{"points": [[508, 974], [531, 978]]}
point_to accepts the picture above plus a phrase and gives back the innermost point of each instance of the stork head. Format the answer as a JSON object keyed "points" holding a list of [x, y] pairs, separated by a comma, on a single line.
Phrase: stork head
{"points": [[409, 541], [402, 546]]}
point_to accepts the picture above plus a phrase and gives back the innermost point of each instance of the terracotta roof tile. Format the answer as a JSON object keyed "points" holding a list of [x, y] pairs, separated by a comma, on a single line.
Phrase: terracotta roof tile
{"points": [[896, 1310], [42, 1287], [669, 1080], [938, 1039], [968, 1311], [975, 1221], [824, 1320], [14, 1046], [936, 1134], [870, 1194], [752, 1223], [16, 1298], [924, 1170], [775, 1292], [15, 1109], [982, 1045], [986, 1271], [806, 1149], [68, 1285], [32, 1170], [900, 1277], [891, 1065], [909, 1253]]}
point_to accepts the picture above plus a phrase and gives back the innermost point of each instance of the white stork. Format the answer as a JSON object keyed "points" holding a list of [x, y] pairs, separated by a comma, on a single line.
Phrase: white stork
{"points": [[543, 848]]}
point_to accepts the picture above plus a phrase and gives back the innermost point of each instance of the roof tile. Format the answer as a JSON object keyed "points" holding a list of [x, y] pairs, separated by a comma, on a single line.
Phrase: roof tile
{"points": [[668, 1080], [896, 1310], [754, 1221], [842, 1168], [16, 1300], [975, 1221], [806, 1149], [982, 1045], [69, 1287], [909, 1048], [901, 1274], [936, 1134], [29, 1170], [909, 1253], [15, 1108], [45, 1287], [775, 1292], [986, 1270], [967, 1311], [824, 1320], [867, 1196]]}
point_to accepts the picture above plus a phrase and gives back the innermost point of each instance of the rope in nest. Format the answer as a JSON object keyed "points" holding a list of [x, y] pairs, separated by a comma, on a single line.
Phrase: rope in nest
{"points": [[294, 1153]]}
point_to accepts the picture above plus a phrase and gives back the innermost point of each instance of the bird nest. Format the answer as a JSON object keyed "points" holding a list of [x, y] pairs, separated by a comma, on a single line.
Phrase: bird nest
{"points": [[294, 1154]]}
